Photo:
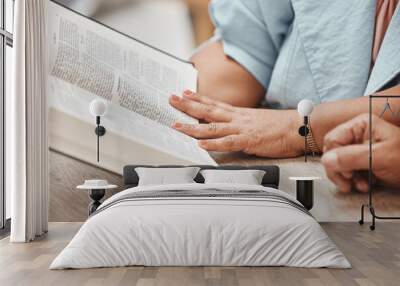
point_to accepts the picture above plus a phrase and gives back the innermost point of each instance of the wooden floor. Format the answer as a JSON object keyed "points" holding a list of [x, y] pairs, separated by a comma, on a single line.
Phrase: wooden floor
{"points": [[375, 257]]}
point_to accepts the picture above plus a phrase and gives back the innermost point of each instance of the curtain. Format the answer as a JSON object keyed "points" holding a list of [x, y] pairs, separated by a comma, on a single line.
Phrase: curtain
{"points": [[26, 124]]}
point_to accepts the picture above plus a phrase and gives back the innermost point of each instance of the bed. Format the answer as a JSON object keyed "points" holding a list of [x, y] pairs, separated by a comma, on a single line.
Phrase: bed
{"points": [[201, 224]]}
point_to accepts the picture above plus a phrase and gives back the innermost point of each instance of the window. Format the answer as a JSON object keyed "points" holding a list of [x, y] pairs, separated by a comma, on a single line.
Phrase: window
{"points": [[6, 43]]}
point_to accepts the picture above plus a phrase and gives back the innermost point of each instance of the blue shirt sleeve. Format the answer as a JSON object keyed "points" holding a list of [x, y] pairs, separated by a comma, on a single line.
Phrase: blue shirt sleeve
{"points": [[252, 32]]}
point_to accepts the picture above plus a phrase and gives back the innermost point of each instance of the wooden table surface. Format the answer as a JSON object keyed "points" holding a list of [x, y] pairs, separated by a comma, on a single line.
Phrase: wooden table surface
{"points": [[329, 204], [68, 204]]}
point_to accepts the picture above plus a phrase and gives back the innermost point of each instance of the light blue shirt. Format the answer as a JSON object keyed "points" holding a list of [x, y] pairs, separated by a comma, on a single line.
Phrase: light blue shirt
{"points": [[314, 49]]}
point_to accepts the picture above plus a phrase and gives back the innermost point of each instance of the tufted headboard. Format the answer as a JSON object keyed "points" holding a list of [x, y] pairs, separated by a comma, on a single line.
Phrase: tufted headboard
{"points": [[271, 177]]}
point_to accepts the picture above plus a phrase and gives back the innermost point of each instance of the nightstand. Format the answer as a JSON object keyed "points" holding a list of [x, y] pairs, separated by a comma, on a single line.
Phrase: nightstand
{"points": [[97, 190]]}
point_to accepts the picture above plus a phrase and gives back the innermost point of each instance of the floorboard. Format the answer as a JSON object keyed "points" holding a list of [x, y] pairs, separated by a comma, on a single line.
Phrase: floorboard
{"points": [[375, 257]]}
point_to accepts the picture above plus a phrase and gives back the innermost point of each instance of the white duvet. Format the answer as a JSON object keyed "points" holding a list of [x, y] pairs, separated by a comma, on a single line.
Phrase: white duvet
{"points": [[200, 232]]}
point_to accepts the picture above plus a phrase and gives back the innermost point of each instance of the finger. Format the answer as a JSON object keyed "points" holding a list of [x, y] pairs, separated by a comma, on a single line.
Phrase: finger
{"points": [[199, 110], [347, 159], [343, 183], [361, 181], [351, 132], [356, 131], [206, 131], [347, 175], [231, 143], [206, 100], [361, 184]]}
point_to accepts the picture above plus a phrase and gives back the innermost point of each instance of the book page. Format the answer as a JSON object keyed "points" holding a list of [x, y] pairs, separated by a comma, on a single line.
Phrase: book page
{"points": [[88, 60]]}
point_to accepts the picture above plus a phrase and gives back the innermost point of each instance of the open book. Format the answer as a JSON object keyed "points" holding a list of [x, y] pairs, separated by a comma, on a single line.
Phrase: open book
{"points": [[89, 60]]}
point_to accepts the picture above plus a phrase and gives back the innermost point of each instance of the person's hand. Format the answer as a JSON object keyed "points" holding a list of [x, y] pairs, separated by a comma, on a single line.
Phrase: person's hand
{"points": [[347, 153], [261, 132]]}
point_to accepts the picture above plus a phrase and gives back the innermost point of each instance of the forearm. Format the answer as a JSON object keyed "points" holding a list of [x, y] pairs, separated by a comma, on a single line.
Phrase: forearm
{"points": [[327, 116], [223, 79]]}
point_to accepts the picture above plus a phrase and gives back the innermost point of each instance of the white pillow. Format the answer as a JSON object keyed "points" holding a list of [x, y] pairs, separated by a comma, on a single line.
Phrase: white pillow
{"points": [[166, 176], [243, 177]]}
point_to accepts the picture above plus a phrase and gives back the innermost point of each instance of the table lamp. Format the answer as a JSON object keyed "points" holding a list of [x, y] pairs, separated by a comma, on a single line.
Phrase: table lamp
{"points": [[305, 108], [305, 185], [98, 108]]}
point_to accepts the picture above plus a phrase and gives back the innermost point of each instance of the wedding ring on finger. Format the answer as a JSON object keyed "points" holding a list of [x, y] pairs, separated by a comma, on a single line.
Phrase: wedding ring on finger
{"points": [[212, 127]]}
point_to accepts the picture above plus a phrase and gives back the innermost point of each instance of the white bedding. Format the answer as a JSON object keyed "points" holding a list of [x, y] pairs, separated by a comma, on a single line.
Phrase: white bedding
{"points": [[200, 231]]}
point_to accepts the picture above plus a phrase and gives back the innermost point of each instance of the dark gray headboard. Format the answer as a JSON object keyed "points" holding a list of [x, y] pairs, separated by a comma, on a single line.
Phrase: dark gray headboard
{"points": [[271, 178]]}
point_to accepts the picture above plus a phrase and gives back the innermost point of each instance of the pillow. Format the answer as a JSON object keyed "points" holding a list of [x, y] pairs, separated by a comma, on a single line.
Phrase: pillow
{"points": [[243, 177], [166, 176]]}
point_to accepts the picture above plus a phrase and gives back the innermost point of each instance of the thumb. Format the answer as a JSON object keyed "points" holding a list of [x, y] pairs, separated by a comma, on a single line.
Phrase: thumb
{"points": [[348, 158]]}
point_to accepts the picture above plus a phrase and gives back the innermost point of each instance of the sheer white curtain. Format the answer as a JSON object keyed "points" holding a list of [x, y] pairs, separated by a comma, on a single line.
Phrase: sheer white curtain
{"points": [[26, 123]]}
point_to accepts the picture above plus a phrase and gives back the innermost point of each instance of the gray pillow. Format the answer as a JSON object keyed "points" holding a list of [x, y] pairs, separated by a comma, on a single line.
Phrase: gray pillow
{"points": [[166, 176], [243, 177]]}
